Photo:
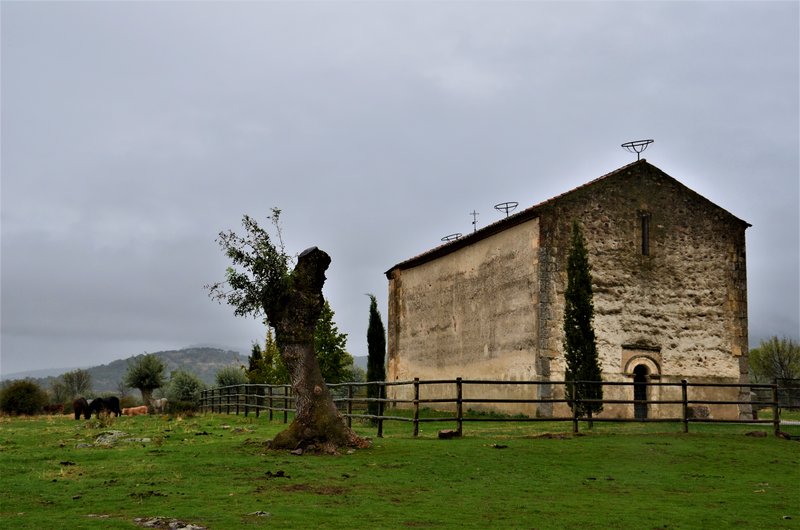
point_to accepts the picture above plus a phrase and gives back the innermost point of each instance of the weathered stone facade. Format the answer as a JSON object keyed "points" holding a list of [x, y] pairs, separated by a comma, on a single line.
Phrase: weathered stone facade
{"points": [[670, 295]]}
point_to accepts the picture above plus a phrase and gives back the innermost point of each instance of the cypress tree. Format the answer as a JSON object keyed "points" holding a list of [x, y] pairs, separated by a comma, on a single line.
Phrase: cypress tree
{"points": [[331, 348], [376, 354], [580, 347]]}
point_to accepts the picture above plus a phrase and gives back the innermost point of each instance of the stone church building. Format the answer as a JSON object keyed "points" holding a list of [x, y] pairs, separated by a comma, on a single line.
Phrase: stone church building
{"points": [[670, 300]]}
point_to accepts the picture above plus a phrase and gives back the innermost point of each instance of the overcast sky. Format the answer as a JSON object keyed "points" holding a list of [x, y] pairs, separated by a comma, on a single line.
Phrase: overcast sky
{"points": [[133, 132]]}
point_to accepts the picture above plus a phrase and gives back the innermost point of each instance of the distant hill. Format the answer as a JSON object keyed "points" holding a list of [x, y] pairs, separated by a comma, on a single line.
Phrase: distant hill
{"points": [[201, 361], [360, 361], [204, 362]]}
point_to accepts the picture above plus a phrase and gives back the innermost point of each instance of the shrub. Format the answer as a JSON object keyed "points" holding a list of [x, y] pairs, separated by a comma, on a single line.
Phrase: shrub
{"points": [[183, 388], [23, 397], [231, 375]]}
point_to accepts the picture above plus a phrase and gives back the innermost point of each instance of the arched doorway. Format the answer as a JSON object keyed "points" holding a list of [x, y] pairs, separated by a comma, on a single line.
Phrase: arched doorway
{"points": [[640, 374]]}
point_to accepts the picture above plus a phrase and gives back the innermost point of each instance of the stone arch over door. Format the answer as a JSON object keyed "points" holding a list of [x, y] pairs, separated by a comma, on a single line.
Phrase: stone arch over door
{"points": [[641, 367]]}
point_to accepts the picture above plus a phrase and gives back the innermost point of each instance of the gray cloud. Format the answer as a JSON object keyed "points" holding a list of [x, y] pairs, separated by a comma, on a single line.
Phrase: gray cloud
{"points": [[133, 132]]}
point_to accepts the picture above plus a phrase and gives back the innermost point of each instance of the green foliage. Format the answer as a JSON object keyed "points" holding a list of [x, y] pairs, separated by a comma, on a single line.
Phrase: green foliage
{"points": [[146, 373], [580, 347], [329, 346], [184, 387], [266, 365], [356, 374], [376, 355], [77, 382], [231, 375], [775, 359], [260, 271], [22, 397]]}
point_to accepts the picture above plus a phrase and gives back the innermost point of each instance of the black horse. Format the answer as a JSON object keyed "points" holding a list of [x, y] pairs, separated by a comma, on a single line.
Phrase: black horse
{"points": [[109, 405], [81, 406]]}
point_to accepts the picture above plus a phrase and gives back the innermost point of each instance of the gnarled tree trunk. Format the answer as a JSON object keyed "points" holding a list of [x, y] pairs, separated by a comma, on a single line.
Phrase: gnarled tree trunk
{"points": [[317, 423]]}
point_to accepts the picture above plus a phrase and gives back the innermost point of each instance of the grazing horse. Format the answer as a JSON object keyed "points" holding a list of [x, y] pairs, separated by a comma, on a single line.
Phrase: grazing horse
{"points": [[81, 406], [112, 405], [159, 405], [135, 411], [109, 405]]}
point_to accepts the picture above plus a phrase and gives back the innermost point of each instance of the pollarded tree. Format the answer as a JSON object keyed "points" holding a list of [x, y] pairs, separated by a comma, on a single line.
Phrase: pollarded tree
{"points": [[376, 355], [292, 302], [146, 373], [580, 347]]}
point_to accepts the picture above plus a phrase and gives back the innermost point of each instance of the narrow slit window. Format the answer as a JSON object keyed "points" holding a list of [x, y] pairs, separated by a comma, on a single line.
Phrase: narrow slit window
{"points": [[645, 234]]}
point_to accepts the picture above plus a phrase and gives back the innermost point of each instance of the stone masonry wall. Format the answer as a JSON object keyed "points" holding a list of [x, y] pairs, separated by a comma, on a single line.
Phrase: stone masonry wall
{"points": [[685, 301]]}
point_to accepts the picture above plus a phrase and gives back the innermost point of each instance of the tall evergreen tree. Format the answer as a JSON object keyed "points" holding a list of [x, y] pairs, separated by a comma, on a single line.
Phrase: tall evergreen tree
{"points": [[330, 346], [265, 364], [376, 355], [580, 347]]}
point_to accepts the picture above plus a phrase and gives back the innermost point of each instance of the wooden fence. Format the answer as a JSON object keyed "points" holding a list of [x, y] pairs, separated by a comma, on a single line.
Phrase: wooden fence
{"points": [[352, 400]]}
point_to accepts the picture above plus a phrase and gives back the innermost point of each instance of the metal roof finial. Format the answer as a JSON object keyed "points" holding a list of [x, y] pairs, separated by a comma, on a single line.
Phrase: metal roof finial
{"points": [[637, 146], [507, 207]]}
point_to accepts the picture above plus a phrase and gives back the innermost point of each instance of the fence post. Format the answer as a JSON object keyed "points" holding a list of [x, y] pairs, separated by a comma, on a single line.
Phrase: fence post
{"points": [[576, 403], [269, 402], [776, 411], [416, 406], [459, 405], [246, 399], [380, 408], [349, 405], [227, 400], [685, 405], [258, 400]]}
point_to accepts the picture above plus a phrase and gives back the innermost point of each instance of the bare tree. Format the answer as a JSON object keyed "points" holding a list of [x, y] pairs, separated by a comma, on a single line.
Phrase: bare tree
{"points": [[77, 382]]}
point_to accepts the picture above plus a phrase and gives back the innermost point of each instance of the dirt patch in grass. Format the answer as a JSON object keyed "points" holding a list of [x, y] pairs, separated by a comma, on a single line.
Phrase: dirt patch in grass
{"points": [[554, 436], [317, 490]]}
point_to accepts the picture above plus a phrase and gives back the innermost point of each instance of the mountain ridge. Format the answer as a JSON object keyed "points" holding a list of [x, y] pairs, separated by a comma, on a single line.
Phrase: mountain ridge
{"points": [[202, 361]]}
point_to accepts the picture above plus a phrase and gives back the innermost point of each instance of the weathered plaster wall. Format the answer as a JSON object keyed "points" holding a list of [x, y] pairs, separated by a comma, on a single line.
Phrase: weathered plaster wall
{"points": [[470, 315]]}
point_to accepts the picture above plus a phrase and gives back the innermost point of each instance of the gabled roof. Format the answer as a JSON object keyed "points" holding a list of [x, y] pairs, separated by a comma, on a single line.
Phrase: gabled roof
{"points": [[528, 214]]}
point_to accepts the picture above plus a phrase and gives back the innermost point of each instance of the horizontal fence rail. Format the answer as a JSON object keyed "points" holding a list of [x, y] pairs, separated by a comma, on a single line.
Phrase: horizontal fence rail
{"points": [[353, 402]]}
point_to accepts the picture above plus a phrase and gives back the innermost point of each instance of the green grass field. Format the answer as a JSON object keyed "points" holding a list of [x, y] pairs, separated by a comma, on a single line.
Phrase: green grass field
{"points": [[213, 470]]}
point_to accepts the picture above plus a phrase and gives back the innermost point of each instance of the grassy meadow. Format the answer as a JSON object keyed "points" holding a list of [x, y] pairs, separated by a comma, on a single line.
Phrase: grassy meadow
{"points": [[214, 471]]}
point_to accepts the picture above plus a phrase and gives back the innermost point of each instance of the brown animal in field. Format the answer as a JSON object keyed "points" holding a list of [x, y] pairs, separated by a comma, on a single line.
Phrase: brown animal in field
{"points": [[54, 408], [135, 411], [81, 406]]}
